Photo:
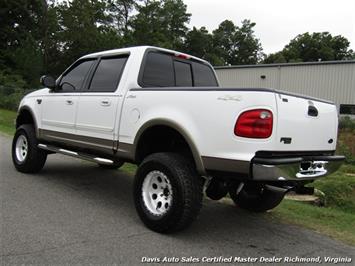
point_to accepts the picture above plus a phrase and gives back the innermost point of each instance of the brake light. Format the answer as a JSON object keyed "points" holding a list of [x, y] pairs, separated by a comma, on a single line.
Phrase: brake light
{"points": [[182, 56], [254, 124]]}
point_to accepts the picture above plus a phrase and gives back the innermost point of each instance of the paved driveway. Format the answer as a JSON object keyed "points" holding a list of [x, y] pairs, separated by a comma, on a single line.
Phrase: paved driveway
{"points": [[75, 213]]}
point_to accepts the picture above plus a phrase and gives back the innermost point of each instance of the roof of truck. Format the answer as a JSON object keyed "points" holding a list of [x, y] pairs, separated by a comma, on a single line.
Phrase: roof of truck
{"points": [[139, 48]]}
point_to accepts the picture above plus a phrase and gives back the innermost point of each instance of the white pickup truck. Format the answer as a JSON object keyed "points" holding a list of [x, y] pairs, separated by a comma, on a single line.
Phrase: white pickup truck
{"points": [[164, 111]]}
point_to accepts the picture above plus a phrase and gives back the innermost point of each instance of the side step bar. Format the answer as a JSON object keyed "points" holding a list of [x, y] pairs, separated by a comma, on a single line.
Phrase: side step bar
{"points": [[83, 156]]}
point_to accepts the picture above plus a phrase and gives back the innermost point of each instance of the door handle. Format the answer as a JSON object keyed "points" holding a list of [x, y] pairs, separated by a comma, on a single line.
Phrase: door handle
{"points": [[69, 102], [105, 102]]}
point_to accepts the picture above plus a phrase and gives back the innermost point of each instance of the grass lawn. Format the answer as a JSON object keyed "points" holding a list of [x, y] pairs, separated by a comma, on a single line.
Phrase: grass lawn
{"points": [[333, 222], [7, 121], [129, 168], [337, 220]]}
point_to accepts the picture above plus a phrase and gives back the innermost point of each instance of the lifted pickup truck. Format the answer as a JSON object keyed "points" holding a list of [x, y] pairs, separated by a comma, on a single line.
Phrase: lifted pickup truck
{"points": [[164, 111]]}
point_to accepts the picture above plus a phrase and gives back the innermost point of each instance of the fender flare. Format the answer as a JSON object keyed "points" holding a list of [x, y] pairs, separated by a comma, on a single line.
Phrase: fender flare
{"points": [[172, 124], [28, 109]]}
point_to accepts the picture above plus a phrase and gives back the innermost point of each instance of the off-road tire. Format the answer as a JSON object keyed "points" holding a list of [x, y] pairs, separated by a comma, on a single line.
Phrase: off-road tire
{"points": [[35, 157], [186, 186]]}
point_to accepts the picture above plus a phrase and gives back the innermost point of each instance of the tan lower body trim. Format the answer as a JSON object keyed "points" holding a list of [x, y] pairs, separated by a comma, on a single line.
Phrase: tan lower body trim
{"points": [[226, 165], [72, 138], [111, 147]]}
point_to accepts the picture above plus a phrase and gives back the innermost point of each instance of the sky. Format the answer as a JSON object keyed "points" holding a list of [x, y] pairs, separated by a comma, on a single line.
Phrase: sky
{"points": [[278, 21]]}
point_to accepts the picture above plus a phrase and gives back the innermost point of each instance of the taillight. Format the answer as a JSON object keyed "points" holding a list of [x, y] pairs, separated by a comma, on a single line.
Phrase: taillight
{"points": [[254, 124]]}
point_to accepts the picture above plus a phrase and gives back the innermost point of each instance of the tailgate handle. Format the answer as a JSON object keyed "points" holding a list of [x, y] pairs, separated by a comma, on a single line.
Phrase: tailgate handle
{"points": [[312, 111]]}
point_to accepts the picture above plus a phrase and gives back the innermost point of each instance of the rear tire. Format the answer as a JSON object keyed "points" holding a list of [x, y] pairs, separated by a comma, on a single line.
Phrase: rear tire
{"points": [[167, 192], [256, 197], [26, 155]]}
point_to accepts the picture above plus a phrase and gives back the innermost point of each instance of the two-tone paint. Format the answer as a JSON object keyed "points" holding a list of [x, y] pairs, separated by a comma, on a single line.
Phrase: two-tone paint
{"points": [[111, 123]]}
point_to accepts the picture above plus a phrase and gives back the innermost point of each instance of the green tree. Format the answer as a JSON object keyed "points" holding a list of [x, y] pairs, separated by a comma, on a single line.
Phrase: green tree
{"points": [[237, 45], [120, 11], [248, 47], [317, 46], [50, 42], [20, 30], [85, 27], [224, 41], [275, 58], [160, 23], [199, 42]]}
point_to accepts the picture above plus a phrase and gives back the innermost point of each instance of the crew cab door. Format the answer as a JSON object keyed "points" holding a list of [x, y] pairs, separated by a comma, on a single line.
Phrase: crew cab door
{"points": [[99, 105], [59, 107]]}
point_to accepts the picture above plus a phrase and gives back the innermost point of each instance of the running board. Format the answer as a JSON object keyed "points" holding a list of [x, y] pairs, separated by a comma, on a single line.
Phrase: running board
{"points": [[83, 156]]}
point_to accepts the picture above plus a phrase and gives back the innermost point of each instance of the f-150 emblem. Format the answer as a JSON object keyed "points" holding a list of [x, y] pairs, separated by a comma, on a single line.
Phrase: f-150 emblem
{"points": [[286, 140]]}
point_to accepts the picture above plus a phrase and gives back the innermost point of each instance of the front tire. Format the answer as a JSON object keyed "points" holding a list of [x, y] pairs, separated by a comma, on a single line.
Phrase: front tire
{"points": [[256, 197], [167, 192], [26, 156]]}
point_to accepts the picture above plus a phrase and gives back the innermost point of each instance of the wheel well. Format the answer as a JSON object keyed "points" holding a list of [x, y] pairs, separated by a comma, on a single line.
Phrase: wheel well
{"points": [[24, 117], [162, 139]]}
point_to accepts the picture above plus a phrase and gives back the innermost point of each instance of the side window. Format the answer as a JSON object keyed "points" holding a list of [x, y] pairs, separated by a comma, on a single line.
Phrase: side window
{"points": [[158, 70], [183, 75], [108, 74], [203, 75], [73, 80]]}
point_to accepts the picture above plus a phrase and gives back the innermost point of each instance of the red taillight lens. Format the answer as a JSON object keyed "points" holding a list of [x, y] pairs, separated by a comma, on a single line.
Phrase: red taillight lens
{"points": [[254, 124]]}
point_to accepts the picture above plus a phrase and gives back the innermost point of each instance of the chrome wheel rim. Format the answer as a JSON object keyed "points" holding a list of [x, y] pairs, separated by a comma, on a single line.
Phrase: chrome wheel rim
{"points": [[157, 193], [21, 148]]}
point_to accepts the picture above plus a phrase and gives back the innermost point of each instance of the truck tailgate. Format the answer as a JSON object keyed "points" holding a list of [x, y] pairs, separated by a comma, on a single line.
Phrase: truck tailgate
{"points": [[305, 124]]}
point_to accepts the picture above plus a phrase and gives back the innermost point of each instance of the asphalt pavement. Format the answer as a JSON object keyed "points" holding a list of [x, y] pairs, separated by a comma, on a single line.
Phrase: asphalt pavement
{"points": [[74, 213]]}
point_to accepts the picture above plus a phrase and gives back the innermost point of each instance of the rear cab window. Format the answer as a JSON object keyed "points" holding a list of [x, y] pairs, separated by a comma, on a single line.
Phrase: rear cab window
{"points": [[107, 74], [183, 74], [160, 69], [203, 75]]}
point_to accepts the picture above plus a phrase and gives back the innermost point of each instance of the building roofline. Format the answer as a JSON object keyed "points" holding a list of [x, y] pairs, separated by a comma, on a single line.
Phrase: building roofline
{"points": [[288, 64]]}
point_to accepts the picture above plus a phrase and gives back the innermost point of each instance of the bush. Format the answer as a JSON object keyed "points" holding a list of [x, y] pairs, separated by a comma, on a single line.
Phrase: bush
{"points": [[10, 98], [346, 140], [344, 149], [346, 123], [11, 89], [339, 189]]}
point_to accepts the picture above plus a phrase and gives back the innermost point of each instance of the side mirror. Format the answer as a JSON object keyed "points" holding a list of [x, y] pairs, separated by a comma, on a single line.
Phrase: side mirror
{"points": [[48, 81]]}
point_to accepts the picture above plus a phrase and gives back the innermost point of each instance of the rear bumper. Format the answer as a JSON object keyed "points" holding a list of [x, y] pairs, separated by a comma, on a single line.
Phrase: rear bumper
{"points": [[296, 168]]}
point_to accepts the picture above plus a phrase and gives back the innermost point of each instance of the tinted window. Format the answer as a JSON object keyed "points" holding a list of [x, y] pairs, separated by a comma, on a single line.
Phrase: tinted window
{"points": [[203, 75], [347, 109], [158, 70], [183, 76], [108, 74], [74, 79]]}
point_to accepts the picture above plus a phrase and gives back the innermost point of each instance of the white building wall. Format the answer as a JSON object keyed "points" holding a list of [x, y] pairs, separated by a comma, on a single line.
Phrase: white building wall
{"points": [[334, 81]]}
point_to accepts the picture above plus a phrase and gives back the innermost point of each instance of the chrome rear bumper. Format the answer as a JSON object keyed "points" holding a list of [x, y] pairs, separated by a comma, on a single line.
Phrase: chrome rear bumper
{"points": [[298, 168]]}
